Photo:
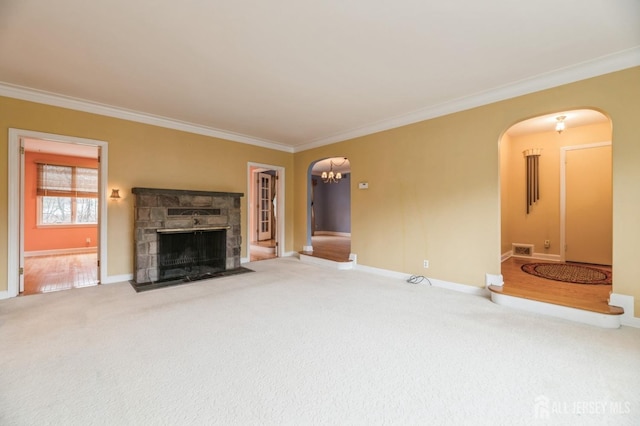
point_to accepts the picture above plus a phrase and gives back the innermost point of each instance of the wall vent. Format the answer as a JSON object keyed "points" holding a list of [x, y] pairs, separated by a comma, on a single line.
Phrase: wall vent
{"points": [[522, 250]]}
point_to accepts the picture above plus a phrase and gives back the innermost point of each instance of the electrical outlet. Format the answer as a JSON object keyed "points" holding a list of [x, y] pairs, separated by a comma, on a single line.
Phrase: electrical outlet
{"points": [[547, 243], [425, 263]]}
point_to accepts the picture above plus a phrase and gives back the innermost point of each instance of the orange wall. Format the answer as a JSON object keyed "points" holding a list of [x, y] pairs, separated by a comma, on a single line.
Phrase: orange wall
{"points": [[63, 237]]}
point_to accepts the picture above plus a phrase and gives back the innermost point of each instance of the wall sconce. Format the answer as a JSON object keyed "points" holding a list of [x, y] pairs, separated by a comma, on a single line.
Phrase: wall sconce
{"points": [[560, 123], [115, 194]]}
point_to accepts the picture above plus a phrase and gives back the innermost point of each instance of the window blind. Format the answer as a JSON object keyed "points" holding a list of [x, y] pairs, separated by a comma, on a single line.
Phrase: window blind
{"points": [[67, 181]]}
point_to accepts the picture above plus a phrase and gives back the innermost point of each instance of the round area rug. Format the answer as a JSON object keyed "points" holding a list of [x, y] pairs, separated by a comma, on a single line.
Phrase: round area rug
{"points": [[568, 273]]}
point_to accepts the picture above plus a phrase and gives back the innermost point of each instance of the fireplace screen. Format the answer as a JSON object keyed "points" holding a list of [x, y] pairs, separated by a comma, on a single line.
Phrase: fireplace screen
{"points": [[191, 255]]}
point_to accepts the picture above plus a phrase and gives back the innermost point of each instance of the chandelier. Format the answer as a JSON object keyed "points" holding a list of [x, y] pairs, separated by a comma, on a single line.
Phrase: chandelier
{"points": [[332, 177]]}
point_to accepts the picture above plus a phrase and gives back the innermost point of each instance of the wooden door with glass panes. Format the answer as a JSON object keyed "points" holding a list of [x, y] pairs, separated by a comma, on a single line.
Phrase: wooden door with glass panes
{"points": [[264, 206]]}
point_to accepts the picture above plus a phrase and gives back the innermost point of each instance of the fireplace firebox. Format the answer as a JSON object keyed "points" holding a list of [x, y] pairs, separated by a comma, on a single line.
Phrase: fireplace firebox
{"points": [[190, 254]]}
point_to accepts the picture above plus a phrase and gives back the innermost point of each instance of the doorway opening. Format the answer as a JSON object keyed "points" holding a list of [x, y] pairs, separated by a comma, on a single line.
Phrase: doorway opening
{"points": [[57, 212], [559, 206], [265, 211], [329, 209]]}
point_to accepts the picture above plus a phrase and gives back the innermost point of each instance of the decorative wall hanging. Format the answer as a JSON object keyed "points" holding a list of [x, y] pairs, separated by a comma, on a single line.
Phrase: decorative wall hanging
{"points": [[532, 157]]}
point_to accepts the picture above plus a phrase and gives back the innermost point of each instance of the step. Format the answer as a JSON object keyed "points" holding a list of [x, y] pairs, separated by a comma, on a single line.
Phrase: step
{"points": [[586, 312], [317, 260]]}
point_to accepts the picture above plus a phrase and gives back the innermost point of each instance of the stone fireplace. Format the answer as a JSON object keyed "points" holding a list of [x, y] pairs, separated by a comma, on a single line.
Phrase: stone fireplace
{"points": [[185, 235]]}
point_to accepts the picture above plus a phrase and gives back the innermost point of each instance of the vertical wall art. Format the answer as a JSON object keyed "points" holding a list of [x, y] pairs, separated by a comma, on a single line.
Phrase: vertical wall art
{"points": [[532, 157]]}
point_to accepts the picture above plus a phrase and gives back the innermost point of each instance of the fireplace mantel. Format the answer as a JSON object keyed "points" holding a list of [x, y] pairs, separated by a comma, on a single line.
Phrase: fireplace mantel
{"points": [[160, 210]]}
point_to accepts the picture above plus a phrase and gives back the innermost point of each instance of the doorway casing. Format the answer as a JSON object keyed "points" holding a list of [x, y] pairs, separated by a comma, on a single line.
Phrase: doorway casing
{"points": [[253, 168], [15, 252]]}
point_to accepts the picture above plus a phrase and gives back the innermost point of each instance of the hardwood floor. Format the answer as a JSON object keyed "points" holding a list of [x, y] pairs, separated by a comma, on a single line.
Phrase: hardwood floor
{"points": [[517, 283], [43, 274], [330, 247]]}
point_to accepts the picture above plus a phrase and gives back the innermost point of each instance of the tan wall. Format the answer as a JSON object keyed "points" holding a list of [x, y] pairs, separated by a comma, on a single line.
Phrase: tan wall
{"points": [[141, 155], [543, 221], [435, 189], [434, 186]]}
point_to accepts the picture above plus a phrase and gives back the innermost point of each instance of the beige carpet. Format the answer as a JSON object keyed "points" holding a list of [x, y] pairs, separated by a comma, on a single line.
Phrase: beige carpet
{"points": [[297, 344]]}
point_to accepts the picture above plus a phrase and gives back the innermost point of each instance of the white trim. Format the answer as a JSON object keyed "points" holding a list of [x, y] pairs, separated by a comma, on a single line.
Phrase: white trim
{"points": [[245, 260], [290, 254], [55, 252], [536, 256], [280, 213], [308, 249], [547, 257], [599, 66], [557, 311], [14, 176], [4, 295], [626, 303], [333, 233], [563, 190], [55, 99], [493, 279], [382, 272], [462, 288], [114, 279]]}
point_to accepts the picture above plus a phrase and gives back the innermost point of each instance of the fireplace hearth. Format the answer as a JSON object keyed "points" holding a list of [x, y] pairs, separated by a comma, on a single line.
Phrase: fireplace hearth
{"points": [[183, 235]]}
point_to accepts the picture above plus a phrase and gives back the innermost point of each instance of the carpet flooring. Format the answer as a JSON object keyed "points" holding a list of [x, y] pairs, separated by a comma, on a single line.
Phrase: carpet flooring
{"points": [[297, 344]]}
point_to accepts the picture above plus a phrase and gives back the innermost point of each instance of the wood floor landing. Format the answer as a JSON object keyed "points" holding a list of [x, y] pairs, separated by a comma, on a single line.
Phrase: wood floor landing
{"points": [[328, 247], [517, 283]]}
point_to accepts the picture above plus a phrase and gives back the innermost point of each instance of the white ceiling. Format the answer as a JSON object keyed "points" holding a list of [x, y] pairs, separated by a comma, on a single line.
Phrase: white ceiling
{"points": [[293, 74], [547, 123]]}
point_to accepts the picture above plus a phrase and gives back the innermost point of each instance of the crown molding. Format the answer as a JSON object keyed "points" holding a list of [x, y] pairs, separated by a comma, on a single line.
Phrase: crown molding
{"points": [[588, 69], [593, 68], [54, 99]]}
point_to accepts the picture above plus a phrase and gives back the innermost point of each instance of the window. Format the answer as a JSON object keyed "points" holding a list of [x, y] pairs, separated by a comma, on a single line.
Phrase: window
{"points": [[67, 195]]}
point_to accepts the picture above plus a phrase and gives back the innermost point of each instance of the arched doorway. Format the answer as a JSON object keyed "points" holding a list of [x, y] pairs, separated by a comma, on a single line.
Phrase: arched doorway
{"points": [[549, 203], [329, 209]]}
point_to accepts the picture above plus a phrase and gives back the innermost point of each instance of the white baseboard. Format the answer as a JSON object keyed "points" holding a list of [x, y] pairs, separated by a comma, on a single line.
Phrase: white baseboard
{"points": [[626, 303], [463, 288], [382, 272], [4, 295], [113, 279], [535, 256], [54, 252], [307, 249], [244, 260], [290, 254], [333, 233]]}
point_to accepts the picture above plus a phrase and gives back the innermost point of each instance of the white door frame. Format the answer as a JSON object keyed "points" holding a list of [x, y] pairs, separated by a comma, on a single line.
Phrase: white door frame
{"points": [[563, 189], [15, 252], [251, 208]]}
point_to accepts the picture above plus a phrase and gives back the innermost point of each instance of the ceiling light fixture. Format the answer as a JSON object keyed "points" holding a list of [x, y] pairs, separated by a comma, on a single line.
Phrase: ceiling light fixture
{"points": [[332, 177], [560, 123]]}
